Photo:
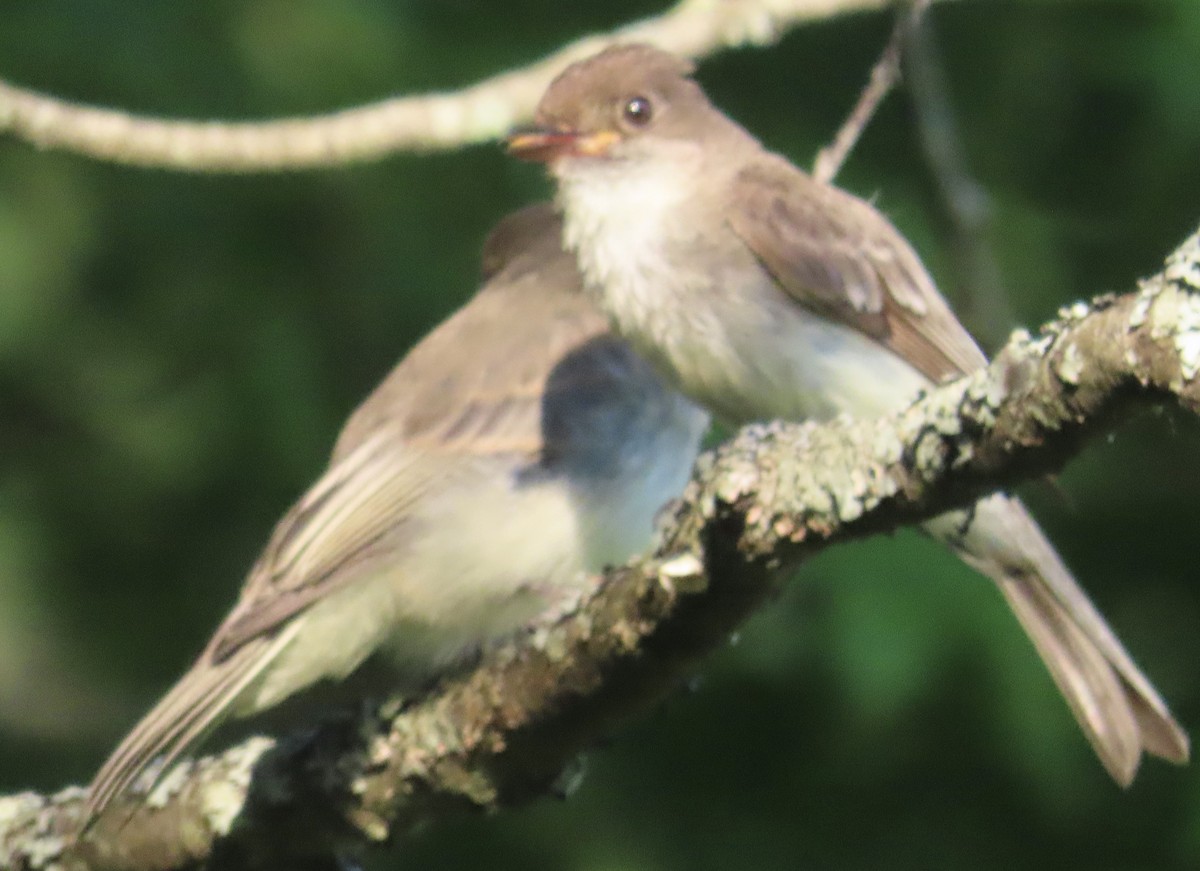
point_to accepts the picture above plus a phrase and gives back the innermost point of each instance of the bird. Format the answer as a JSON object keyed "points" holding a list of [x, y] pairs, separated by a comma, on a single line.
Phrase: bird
{"points": [[514, 451], [762, 293]]}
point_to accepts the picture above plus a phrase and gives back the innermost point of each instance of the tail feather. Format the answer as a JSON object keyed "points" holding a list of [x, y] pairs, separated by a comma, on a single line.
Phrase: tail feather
{"points": [[197, 704], [1118, 709], [1094, 692]]}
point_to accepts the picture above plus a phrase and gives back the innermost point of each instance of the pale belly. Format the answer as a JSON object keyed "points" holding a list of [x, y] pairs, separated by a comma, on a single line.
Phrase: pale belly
{"points": [[763, 357], [485, 555]]}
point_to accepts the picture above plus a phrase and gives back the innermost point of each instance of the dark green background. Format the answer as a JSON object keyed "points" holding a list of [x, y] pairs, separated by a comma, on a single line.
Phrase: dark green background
{"points": [[176, 354]]}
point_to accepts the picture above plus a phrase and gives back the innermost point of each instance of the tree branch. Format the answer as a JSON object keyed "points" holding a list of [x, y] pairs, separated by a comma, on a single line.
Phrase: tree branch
{"points": [[884, 76], [775, 495], [426, 122]]}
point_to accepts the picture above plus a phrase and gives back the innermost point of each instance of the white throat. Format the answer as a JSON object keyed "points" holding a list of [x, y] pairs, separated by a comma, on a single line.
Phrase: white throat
{"points": [[626, 221], [618, 217]]}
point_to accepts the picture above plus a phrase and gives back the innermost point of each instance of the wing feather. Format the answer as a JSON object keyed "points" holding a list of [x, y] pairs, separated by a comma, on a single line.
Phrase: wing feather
{"points": [[441, 404], [840, 258]]}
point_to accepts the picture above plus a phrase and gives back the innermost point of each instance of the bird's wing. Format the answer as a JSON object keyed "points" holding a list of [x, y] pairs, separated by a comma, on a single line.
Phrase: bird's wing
{"points": [[348, 520], [467, 390], [473, 387], [837, 256], [351, 520]]}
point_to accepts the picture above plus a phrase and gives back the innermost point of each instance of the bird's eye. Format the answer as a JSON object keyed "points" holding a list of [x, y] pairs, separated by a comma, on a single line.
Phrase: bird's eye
{"points": [[637, 111]]}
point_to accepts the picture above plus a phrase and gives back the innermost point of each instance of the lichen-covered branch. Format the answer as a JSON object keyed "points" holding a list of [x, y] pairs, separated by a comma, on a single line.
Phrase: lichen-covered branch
{"points": [[774, 495], [424, 122]]}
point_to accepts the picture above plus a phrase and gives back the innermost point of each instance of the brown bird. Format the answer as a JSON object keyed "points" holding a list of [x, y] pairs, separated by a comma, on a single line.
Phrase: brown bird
{"points": [[516, 449], [761, 293]]}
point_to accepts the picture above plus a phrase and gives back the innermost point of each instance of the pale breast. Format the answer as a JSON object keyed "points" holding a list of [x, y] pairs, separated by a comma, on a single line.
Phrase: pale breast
{"points": [[697, 304], [617, 218], [624, 222]]}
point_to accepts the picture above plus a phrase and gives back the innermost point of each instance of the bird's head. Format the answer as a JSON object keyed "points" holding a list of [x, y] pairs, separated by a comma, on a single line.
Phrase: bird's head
{"points": [[625, 102]]}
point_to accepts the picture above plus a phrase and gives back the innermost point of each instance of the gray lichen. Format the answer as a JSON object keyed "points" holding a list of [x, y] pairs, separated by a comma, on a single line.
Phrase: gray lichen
{"points": [[223, 799], [1175, 315]]}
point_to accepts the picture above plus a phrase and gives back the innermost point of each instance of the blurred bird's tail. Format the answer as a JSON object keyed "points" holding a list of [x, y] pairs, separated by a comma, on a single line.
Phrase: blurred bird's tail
{"points": [[201, 700], [1115, 705]]}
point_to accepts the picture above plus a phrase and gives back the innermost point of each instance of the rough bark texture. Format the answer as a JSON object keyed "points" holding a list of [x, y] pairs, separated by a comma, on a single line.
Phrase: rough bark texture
{"points": [[773, 496]]}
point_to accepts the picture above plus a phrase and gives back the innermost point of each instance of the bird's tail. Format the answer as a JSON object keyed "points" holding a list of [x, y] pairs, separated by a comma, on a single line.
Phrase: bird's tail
{"points": [[202, 699], [1116, 706]]}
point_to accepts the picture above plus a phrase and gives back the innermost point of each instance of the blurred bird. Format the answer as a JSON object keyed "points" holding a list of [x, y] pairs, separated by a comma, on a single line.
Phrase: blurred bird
{"points": [[761, 293], [516, 449]]}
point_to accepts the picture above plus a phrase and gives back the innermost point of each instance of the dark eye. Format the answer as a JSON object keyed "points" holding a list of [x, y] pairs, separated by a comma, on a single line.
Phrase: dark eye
{"points": [[637, 111]]}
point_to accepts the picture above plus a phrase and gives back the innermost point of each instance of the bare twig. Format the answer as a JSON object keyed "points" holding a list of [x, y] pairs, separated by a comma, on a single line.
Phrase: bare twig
{"points": [[771, 497], [425, 122], [884, 76]]}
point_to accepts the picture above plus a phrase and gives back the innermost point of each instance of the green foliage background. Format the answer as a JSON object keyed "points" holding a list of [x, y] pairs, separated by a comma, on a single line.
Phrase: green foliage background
{"points": [[177, 352]]}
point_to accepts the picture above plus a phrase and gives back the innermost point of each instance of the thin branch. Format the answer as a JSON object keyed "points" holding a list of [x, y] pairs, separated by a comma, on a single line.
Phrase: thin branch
{"points": [[426, 122], [770, 498], [884, 76]]}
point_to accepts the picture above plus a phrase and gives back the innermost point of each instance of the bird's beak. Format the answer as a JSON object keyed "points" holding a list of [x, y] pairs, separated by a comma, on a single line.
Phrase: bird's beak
{"points": [[546, 145]]}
